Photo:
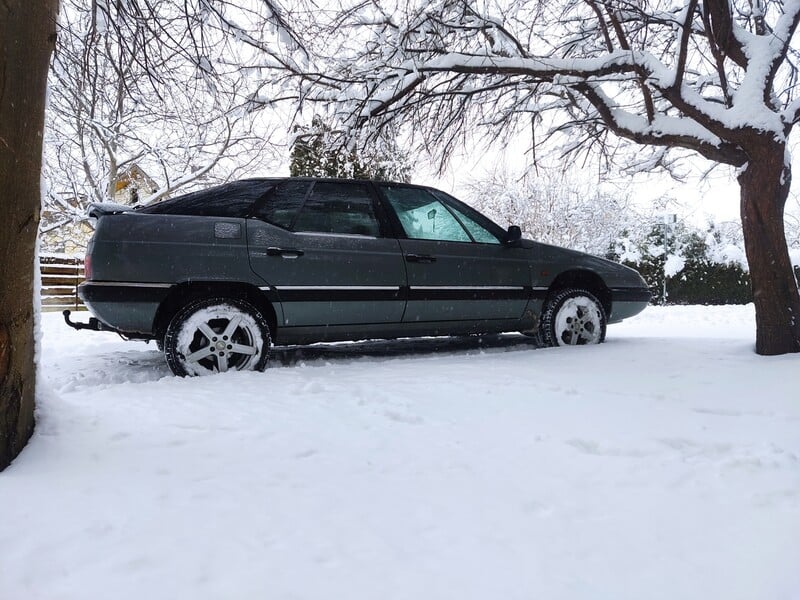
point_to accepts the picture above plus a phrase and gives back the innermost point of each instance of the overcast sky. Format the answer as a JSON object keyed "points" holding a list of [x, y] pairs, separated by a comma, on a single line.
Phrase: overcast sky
{"points": [[698, 200]]}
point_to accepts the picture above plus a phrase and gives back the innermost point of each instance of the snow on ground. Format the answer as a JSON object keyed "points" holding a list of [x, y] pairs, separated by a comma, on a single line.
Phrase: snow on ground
{"points": [[664, 464]]}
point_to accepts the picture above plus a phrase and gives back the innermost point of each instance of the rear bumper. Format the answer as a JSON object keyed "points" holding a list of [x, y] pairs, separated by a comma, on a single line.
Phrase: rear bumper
{"points": [[125, 307]]}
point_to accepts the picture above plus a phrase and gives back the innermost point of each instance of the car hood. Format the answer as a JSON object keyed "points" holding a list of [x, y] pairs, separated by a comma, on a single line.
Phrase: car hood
{"points": [[614, 273]]}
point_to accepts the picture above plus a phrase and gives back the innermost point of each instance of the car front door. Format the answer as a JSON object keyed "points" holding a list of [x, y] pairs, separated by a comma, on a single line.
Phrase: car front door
{"points": [[321, 247], [457, 267]]}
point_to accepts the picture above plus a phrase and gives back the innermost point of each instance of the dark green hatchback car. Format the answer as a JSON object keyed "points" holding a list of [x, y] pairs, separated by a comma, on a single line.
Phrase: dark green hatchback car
{"points": [[217, 276]]}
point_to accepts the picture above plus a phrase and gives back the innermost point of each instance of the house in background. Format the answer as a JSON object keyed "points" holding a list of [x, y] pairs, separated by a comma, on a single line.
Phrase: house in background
{"points": [[133, 185], [64, 226]]}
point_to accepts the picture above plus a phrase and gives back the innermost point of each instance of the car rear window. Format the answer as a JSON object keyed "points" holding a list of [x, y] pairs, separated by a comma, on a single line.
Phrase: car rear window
{"points": [[233, 199]]}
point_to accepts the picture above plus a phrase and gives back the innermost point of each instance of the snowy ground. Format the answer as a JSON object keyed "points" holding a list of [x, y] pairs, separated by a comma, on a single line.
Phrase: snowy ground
{"points": [[664, 464]]}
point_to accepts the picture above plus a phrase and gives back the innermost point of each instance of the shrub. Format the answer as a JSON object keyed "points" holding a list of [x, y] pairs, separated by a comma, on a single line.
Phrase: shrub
{"points": [[693, 276]]}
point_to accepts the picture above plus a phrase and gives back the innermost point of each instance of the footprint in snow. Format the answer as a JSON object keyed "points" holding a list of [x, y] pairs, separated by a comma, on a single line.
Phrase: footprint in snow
{"points": [[596, 448], [403, 418], [305, 453]]}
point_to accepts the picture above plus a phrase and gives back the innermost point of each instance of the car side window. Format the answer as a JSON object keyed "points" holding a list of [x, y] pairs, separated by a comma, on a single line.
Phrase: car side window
{"points": [[424, 217], [479, 231], [340, 208], [283, 204]]}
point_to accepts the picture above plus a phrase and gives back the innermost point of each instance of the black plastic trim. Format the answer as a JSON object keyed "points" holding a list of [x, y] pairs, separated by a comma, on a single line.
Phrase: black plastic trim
{"points": [[422, 294], [338, 295], [100, 291], [401, 293], [630, 295]]}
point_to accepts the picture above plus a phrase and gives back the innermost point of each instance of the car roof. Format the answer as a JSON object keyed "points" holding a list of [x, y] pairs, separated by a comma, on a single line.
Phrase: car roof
{"points": [[241, 190]]}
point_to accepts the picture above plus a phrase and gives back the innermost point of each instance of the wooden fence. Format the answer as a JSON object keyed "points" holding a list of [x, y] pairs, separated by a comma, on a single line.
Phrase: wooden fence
{"points": [[60, 278]]}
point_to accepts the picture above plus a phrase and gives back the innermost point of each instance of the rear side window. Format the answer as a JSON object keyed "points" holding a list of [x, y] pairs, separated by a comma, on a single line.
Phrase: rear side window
{"points": [[283, 204], [233, 199], [341, 208]]}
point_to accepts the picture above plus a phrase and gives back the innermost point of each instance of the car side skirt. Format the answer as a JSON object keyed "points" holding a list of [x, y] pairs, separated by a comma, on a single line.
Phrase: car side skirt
{"points": [[338, 333]]}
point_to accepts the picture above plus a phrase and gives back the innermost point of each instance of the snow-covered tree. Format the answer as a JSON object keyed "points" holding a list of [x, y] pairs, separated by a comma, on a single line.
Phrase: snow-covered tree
{"points": [[28, 34], [555, 208], [144, 87], [793, 224], [708, 78]]}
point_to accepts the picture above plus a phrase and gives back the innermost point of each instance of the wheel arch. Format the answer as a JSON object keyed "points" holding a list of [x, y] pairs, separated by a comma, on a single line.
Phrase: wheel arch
{"points": [[188, 291], [582, 279]]}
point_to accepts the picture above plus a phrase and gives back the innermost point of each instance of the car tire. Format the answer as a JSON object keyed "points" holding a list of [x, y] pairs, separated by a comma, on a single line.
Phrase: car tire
{"points": [[215, 335], [573, 317]]}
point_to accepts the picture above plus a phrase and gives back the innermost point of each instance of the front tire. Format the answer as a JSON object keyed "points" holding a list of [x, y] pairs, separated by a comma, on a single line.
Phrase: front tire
{"points": [[216, 335], [573, 317]]}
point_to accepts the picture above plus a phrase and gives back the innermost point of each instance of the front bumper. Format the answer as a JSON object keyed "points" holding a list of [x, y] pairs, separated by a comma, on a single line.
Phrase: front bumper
{"points": [[627, 302]]}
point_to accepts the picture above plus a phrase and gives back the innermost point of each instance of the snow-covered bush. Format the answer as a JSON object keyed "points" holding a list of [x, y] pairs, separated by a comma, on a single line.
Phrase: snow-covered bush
{"points": [[701, 267]]}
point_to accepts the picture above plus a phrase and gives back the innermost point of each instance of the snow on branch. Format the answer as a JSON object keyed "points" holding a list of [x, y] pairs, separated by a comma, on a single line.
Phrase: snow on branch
{"points": [[709, 76], [700, 131]]}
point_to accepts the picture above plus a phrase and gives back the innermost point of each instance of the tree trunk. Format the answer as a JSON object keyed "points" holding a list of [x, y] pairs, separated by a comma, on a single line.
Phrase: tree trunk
{"points": [[27, 36], [765, 183]]}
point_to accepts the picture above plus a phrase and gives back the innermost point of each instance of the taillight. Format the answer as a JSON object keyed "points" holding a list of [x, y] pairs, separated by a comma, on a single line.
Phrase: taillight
{"points": [[87, 266]]}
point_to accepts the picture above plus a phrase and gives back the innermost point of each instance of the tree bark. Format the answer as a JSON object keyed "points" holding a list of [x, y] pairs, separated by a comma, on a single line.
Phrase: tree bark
{"points": [[765, 183], [27, 37]]}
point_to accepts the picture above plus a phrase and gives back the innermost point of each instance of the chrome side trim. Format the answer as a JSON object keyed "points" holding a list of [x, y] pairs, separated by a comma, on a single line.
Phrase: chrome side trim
{"points": [[357, 236], [338, 287], [467, 287], [128, 284]]}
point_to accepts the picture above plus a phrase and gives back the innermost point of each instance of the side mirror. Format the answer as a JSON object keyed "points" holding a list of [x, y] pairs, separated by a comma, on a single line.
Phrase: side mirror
{"points": [[513, 235]]}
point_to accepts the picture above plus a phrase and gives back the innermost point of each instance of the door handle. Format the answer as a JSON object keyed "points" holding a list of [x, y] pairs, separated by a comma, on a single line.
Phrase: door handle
{"points": [[284, 252], [420, 258]]}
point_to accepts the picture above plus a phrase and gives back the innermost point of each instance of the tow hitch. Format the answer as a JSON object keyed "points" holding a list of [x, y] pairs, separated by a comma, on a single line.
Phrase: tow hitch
{"points": [[93, 324]]}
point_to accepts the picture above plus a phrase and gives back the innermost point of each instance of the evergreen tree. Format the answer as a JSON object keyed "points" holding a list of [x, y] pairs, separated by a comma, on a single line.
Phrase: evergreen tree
{"points": [[318, 152]]}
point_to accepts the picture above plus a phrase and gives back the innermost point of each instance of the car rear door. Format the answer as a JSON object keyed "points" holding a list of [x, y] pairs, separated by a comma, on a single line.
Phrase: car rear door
{"points": [[457, 267], [321, 246]]}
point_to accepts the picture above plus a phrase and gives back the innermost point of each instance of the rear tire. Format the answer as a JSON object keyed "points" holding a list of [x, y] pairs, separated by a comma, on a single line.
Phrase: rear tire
{"points": [[215, 335], [573, 317]]}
